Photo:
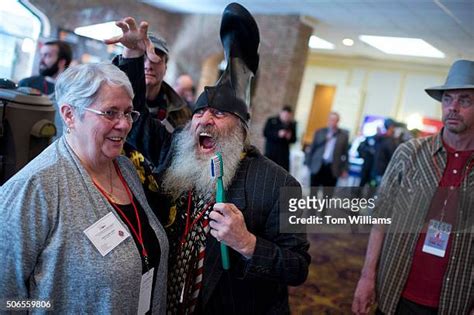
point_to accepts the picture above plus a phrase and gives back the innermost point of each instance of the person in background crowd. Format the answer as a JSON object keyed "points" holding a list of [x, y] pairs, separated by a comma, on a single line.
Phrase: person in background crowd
{"points": [[423, 262], [162, 102], [366, 150], [280, 132], [327, 156], [55, 57], [75, 227], [184, 86], [385, 146]]}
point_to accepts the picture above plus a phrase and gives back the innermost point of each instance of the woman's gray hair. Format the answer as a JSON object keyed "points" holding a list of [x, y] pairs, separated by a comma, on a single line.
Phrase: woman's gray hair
{"points": [[78, 86]]}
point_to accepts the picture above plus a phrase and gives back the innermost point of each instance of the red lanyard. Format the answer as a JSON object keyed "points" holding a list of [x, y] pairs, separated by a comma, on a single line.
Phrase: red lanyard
{"points": [[188, 216], [138, 235]]}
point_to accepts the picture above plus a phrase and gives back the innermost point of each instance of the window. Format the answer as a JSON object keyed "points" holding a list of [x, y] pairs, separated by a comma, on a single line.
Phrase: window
{"points": [[19, 32]]}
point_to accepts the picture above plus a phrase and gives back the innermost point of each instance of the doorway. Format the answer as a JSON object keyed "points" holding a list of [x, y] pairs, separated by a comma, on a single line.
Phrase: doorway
{"points": [[323, 97]]}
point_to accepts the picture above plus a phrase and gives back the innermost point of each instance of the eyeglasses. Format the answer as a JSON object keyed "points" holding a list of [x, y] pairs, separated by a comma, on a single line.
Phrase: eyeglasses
{"points": [[114, 115]]}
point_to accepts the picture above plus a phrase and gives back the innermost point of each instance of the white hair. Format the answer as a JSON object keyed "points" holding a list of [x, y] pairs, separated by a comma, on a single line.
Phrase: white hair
{"points": [[189, 170], [79, 85]]}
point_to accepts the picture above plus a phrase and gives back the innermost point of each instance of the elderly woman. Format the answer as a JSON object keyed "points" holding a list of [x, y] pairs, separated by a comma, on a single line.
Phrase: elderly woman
{"points": [[76, 232]]}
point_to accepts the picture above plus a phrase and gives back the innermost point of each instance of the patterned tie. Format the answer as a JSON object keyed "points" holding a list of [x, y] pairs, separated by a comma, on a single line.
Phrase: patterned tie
{"points": [[185, 272], [200, 268]]}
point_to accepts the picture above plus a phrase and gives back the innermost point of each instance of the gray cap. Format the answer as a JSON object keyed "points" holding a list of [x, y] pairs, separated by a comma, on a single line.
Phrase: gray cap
{"points": [[159, 43], [460, 77]]}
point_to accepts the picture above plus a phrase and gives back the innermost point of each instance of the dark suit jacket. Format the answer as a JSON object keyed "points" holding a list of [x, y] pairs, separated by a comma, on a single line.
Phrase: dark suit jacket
{"points": [[278, 149], [314, 159], [258, 285]]}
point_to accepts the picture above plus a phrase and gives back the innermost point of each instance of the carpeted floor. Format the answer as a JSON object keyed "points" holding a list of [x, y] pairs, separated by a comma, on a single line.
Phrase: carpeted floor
{"points": [[333, 274]]}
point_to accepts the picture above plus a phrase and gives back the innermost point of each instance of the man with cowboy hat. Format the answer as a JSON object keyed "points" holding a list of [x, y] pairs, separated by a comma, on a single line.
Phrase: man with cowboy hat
{"points": [[423, 262]]}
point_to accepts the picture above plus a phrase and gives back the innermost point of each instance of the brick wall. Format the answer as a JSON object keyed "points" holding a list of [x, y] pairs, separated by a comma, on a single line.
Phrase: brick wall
{"points": [[283, 52]]}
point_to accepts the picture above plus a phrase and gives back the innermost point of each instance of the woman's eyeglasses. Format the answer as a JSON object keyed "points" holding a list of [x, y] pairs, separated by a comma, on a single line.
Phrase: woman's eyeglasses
{"points": [[114, 115]]}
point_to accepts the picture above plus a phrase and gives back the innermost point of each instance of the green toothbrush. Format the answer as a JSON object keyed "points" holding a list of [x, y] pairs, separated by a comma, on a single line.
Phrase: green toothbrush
{"points": [[217, 171]]}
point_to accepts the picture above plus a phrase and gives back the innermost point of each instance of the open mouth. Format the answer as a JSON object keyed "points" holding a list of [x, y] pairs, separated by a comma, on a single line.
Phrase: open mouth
{"points": [[206, 141], [116, 139]]}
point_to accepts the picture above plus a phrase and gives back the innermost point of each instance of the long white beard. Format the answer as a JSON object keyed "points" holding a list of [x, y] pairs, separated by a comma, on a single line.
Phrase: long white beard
{"points": [[190, 170]]}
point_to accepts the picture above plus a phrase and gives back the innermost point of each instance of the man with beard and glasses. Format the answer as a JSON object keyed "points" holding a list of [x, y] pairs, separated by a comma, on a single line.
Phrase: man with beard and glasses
{"points": [[55, 57], [263, 261], [423, 263]]}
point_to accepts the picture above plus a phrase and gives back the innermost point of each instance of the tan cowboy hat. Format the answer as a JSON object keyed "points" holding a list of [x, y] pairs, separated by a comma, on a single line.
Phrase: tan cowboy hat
{"points": [[460, 76]]}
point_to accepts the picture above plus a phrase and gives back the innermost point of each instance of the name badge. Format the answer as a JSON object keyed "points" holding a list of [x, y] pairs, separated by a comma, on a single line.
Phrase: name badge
{"points": [[437, 238], [145, 292], [107, 233]]}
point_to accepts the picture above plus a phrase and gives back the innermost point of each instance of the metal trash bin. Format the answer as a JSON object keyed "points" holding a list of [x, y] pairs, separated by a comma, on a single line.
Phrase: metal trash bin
{"points": [[26, 128]]}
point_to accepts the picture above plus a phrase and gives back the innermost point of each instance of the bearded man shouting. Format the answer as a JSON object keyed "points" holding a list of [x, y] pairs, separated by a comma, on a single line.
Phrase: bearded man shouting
{"points": [[263, 261]]}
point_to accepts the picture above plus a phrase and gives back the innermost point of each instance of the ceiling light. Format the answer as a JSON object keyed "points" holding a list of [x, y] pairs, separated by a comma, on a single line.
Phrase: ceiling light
{"points": [[319, 43], [28, 45], [348, 42], [414, 121], [99, 31], [402, 46]]}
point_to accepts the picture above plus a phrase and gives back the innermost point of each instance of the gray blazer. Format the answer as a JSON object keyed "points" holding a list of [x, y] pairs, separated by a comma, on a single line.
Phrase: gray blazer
{"points": [[44, 253], [314, 158]]}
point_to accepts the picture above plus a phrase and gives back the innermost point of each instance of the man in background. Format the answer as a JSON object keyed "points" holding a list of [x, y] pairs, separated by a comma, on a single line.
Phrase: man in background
{"points": [[184, 86], [161, 108], [366, 151], [327, 156], [280, 132], [55, 57], [163, 102], [385, 146]]}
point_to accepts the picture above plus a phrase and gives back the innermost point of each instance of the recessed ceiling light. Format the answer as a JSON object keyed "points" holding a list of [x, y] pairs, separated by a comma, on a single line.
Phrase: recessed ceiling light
{"points": [[402, 46], [319, 43], [348, 42], [28, 45], [99, 31], [414, 121]]}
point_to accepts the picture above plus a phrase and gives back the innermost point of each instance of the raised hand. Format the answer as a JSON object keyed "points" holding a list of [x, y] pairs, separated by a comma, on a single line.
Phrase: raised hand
{"points": [[135, 39]]}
